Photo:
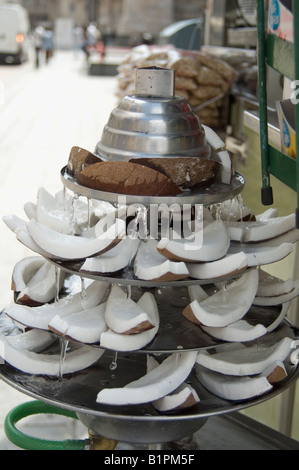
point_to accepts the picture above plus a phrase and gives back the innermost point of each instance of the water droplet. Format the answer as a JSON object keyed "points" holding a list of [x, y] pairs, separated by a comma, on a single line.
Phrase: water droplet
{"points": [[113, 365], [63, 349], [83, 293]]}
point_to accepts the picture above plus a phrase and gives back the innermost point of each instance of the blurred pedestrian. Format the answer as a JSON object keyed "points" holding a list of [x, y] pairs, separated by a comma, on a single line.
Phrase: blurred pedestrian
{"points": [[48, 45], [92, 36], [38, 40], [78, 38]]}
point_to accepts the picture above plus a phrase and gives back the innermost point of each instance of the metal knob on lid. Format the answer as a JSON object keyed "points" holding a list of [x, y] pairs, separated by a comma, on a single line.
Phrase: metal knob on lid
{"points": [[153, 123]]}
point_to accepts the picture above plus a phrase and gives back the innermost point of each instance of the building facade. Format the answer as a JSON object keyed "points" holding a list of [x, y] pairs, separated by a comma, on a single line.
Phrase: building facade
{"points": [[116, 17]]}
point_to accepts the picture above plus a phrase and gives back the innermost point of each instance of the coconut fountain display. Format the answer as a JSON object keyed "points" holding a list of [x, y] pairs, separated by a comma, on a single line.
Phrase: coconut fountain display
{"points": [[144, 308]]}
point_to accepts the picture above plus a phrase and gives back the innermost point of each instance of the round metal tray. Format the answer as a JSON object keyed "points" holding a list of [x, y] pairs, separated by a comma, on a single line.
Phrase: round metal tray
{"points": [[142, 423], [217, 192], [126, 276], [176, 333]]}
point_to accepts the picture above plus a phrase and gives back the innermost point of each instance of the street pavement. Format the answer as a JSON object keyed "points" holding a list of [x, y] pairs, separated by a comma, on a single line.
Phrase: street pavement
{"points": [[43, 113]]}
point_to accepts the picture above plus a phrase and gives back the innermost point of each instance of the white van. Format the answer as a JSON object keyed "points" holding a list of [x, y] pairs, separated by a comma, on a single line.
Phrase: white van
{"points": [[14, 33]]}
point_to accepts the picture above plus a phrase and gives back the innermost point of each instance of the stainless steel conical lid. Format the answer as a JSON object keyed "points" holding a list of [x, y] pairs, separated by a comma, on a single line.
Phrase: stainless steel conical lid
{"points": [[153, 122]]}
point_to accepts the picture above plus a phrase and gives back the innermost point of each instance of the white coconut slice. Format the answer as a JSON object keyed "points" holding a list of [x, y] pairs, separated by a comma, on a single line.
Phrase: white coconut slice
{"points": [[213, 139], [231, 264], [213, 245], [73, 247], [270, 286], [260, 230], [133, 342], [113, 260], [40, 317], [42, 287], [244, 360], [20, 229], [24, 270], [30, 210], [239, 331], [268, 214], [183, 397], [159, 382], [262, 255], [226, 171], [86, 326], [150, 265], [32, 340], [232, 388], [125, 316], [14, 223], [277, 299], [47, 364], [275, 373], [227, 305], [197, 293], [242, 331]]}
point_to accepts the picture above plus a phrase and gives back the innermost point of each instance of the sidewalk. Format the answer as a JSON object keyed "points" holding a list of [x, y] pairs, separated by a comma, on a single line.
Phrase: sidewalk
{"points": [[45, 112]]}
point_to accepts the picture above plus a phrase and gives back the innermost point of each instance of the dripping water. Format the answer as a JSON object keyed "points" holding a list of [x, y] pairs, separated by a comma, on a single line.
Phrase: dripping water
{"points": [[83, 293], [63, 349], [88, 213], [73, 214], [113, 365], [129, 291], [57, 283], [224, 291]]}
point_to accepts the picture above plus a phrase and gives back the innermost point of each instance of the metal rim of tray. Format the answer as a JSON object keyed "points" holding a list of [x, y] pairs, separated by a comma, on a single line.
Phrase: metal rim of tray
{"points": [[126, 276], [215, 193]]}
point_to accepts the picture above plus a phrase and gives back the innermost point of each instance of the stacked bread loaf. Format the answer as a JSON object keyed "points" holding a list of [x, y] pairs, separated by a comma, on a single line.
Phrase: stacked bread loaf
{"points": [[200, 78]]}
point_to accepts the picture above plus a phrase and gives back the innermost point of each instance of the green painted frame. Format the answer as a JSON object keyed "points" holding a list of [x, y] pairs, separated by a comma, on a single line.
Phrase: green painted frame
{"points": [[283, 57]]}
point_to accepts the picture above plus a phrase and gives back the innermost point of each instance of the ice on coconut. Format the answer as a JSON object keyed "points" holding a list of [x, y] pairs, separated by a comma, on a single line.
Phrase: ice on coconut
{"points": [[40, 363], [213, 244], [159, 382], [75, 247], [113, 260], [151, 265], [226, 306], [86, 326], [241, 360], [63, 213], [40, 317], [233, 210]]}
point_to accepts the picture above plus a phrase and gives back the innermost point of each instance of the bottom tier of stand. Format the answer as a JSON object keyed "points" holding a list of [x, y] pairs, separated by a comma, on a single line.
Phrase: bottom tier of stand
{"points": [[141, 423]]}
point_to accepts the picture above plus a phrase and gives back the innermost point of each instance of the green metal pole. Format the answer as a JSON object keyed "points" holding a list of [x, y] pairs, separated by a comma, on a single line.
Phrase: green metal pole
{"points": [[267, 193], [296, 61]]}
